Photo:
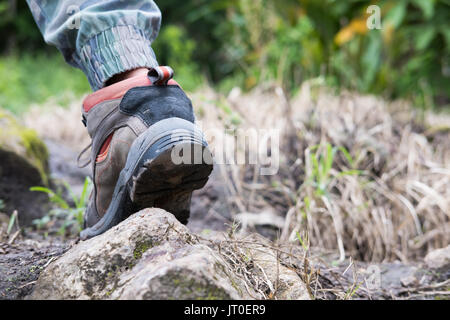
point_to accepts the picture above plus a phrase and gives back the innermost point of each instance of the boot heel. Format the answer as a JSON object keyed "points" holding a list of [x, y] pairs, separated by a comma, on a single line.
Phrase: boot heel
{"points": [[175, 165]]}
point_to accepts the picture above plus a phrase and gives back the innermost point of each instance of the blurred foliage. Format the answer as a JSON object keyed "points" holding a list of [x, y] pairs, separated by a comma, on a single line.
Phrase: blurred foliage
{"points": [[246, 42], [291, 41], [18, 29], [27, 79], [174, 48]]}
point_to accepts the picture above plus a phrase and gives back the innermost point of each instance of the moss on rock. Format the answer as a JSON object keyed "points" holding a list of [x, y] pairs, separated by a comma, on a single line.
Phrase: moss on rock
{"points": [[24, 142], [141, 247]]}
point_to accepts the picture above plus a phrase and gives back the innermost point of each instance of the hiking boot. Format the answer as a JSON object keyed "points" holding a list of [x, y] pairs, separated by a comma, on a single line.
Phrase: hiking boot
{"points": [[146, 150]]}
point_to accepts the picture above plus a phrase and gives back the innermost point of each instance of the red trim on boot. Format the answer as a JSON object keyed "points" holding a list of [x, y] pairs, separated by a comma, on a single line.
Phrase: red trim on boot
{"points": [[118, 90], [104, 149]]}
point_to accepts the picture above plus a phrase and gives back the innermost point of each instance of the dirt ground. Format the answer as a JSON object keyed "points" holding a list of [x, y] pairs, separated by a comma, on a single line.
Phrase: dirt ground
{"points": [[22, 261]]}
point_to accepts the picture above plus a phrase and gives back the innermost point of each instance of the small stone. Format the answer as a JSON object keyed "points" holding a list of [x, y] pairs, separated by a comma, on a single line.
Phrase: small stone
{"points": [[438, 259], [409, 281]]}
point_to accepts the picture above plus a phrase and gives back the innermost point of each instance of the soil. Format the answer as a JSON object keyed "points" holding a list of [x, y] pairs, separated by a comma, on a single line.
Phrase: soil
{"points": [[22, 262]]}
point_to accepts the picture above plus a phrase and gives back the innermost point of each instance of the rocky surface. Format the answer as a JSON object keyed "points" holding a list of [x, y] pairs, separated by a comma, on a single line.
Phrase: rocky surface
{"points": [[151, 255]]}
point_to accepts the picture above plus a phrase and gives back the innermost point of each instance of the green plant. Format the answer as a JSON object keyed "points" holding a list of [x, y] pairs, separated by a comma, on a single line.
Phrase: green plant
{"points": [[13, 219], [304, 241], [320, 165], [407, 57], [290, 41], [71, 216], [175, 48], [2, 204], [352, 290]]}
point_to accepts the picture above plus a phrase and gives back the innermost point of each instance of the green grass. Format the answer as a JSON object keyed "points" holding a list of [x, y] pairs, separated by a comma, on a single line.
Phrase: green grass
{"points": [[27, 79], [12, 219], [322, 163], [71, 216]]}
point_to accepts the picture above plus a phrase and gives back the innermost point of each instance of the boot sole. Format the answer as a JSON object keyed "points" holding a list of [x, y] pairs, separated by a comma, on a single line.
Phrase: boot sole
{"points": [[161, 183], [159, 173]]}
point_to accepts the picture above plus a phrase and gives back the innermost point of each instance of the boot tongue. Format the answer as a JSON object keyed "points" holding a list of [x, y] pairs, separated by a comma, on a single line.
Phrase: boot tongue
{"points": [[115, 91]]}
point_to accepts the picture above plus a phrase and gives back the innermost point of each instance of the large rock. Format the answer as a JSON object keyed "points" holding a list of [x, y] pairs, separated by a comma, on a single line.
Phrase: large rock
{"points": [[151, 255], [23, 165]]}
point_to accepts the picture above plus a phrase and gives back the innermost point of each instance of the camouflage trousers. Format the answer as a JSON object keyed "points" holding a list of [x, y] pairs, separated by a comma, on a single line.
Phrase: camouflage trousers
{"points": [[101, 37]]}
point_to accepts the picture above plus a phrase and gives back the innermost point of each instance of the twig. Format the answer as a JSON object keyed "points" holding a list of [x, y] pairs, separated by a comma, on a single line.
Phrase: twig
{"points": [[27, 284], [14, 236]]}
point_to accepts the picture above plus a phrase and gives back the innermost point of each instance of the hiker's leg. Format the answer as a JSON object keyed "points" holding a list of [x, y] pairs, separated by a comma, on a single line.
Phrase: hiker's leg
{"points": [[102, 38], [134, 123]]}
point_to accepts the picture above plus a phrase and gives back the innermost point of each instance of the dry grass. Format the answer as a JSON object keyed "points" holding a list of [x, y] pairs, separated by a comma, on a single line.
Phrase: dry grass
{"points": [[61, 124], [263, 266], [385, 196]]}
